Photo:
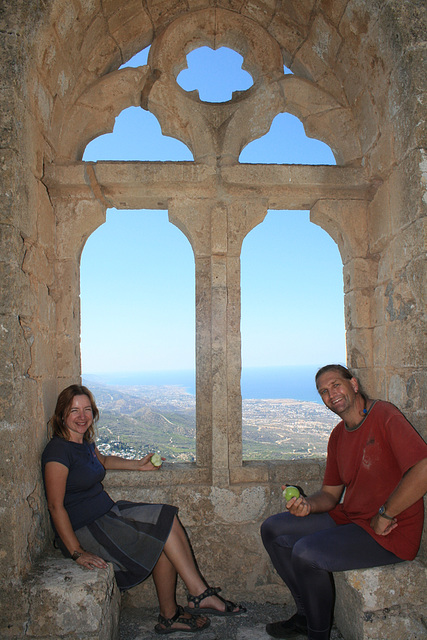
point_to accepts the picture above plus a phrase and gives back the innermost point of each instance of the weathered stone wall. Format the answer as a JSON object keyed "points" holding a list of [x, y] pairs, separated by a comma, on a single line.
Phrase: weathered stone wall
{"points": [[358, 85], [26, 354]]}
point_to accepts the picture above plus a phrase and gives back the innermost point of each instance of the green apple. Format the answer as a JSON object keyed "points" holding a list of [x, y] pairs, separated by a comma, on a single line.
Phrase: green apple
{"points": [[156, 460], [291, 492]]}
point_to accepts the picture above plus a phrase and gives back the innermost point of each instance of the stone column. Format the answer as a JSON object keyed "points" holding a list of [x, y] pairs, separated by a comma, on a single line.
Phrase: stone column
{"points": [[216, 230], [76, 218], [346, 223]]}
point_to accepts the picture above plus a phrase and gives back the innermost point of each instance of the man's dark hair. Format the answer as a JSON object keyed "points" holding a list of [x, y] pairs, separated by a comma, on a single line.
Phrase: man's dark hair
{"points": [[343, 372]]}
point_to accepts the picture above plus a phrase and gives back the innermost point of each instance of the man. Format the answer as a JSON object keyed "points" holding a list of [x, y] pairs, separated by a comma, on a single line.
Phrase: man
{"points": [[378, 462]]}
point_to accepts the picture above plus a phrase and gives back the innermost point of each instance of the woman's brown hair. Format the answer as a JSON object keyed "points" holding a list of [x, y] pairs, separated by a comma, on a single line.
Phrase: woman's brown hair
{"points": [[62, 411]]}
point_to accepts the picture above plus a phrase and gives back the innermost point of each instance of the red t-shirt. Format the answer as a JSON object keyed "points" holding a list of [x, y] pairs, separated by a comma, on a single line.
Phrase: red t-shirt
{"points": [[370, 461]]}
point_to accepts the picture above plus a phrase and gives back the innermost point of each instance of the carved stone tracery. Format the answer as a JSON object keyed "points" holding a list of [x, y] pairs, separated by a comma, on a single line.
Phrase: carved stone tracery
{"points": [[217, 206]]}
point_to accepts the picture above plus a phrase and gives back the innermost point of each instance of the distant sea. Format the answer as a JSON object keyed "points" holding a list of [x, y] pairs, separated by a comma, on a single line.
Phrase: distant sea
{"points": [[296, 383]]}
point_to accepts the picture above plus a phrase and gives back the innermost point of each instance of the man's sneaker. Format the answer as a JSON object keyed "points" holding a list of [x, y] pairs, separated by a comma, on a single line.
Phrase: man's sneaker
{"points": [[295, 626]]}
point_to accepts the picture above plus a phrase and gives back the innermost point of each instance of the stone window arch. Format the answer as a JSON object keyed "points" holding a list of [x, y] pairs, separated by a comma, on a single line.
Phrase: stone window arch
{"points": [[215, 200]]}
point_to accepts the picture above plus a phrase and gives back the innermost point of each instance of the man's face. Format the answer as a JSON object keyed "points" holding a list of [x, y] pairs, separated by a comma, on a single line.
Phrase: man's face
{"points": [[337, 393]]}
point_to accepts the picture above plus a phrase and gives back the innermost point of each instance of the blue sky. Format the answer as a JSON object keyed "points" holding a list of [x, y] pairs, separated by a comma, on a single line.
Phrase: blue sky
{"points": [[137, 270]]}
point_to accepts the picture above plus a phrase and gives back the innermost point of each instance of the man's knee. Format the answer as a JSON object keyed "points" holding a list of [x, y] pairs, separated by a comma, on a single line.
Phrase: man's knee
{"points": [[306, 553], [265, 531], [272, 528]]}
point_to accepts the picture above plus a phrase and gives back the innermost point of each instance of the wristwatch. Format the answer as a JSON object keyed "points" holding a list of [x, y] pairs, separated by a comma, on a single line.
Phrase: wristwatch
{"points": [[382, 513], [76, 555]]}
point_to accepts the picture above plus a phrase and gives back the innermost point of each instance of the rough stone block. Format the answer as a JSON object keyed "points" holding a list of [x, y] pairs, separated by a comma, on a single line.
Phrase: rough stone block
{"points": [[359, 274], [41, 101], [262, 12], [359, 348], [42, 352], [13, 611], [382, 152], [311, 56], [68, 601], [352, 75], [383, 602], [402, 351], [379, 343], [98, 52], [416, 389], [36, 263], [380, 232], [287, 33], [405, 202], [346, 223], [368, 115], [358, 309]]}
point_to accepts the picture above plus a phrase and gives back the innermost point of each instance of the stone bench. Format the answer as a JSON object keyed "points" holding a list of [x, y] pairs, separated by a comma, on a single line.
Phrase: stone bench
{"points": [[66, 601], [383, 603]]}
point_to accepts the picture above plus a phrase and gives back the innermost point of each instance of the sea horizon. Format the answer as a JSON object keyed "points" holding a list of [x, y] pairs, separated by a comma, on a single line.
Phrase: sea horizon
{"points": [[258, 383]]}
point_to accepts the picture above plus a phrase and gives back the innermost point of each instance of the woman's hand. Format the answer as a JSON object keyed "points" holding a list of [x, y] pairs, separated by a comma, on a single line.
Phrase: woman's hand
{"points": [[145, 463], [125, 464], [90, 561]]}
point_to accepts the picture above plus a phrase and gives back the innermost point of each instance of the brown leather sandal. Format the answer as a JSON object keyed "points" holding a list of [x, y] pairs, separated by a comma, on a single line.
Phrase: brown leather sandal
{"points": [[213, 591], [165, 624]]}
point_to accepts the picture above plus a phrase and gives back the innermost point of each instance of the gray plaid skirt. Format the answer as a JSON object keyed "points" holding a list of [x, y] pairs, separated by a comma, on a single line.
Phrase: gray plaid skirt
{"points": [[131, 536]]}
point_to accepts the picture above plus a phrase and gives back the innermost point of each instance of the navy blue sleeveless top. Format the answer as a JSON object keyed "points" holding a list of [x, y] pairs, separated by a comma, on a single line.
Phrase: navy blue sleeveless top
{"points": [[85, 499]]}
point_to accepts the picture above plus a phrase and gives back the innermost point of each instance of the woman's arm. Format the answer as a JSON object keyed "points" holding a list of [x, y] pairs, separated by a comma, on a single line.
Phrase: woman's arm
{"points": [[55, 475], [115, 462], [320, 502], [411, 488]]}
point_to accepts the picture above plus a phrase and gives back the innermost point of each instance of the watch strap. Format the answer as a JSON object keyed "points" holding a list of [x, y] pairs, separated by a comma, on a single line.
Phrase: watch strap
{"points": [[382, 513]]}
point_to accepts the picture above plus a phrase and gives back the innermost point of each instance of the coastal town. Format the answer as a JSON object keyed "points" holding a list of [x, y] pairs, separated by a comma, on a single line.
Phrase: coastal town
{"points": [[136, 420]]}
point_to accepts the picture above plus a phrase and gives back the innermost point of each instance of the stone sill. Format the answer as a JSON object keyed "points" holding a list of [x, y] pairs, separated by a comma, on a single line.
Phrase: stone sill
{"points": [[188, 473]]}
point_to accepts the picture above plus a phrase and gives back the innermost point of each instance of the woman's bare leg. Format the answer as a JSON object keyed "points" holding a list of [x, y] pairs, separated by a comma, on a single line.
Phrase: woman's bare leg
{"points": [[178, 551], [164, 576]]}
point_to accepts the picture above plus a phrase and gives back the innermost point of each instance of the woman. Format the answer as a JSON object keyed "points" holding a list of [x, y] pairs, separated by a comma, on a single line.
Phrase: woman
{"points": [[138, 538]]}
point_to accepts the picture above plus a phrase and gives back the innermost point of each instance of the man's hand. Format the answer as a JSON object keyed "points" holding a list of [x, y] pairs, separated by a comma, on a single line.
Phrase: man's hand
{"points": [[320, 502], [382, 526], [298, 507]]}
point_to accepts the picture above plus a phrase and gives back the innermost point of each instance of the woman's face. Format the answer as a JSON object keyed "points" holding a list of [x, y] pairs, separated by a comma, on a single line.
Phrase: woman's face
{"points": [[79, 418]]}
